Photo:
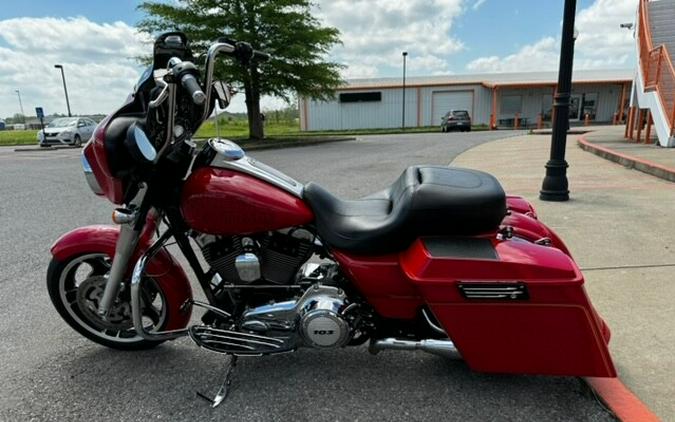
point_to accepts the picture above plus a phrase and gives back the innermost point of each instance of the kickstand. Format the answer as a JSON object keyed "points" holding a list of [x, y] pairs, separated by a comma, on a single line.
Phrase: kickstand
{"points": [[224, 389]]}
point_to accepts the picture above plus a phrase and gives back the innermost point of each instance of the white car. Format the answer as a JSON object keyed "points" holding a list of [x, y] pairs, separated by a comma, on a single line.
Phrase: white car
{"points": [[66, 131]]}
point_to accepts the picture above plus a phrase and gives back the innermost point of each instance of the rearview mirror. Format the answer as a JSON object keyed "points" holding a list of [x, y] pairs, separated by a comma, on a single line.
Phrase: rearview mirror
{"points": [[223, 93], [139, 146]]}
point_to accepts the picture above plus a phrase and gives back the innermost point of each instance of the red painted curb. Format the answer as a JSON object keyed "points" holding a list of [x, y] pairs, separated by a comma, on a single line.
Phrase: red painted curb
{"points": [[620, 400], [645, 166]]}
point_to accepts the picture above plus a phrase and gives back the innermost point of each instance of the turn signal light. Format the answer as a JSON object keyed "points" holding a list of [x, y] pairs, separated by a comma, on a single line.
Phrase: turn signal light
{"points": [[123, 216]]}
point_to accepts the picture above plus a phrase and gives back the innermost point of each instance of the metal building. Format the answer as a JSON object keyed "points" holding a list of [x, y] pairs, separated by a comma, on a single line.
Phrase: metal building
{"points": [[497, 100]]}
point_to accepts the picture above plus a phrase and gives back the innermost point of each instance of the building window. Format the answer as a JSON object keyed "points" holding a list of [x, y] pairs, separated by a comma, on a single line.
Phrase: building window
{"points": [[547, 107], [589, 105], [511, 104], [360, 97]]}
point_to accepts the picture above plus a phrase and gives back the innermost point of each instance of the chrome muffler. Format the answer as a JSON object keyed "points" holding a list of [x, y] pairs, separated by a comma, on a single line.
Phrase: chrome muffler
{"points": [[443, 348]]}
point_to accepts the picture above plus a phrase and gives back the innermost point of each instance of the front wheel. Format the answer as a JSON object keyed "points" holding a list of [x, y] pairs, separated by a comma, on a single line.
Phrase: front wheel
{"points": [[76, 286]]}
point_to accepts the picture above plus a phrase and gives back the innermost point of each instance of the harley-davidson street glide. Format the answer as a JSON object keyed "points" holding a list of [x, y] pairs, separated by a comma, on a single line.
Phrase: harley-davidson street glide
{"points": [[442, 261]]}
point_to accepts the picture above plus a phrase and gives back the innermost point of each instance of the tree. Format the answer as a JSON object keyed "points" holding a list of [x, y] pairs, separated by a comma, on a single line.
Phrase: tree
{"points": [[285, 29]]}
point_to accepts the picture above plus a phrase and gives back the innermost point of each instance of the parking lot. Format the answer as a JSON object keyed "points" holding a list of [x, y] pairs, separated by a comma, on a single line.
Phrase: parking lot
{"points": [[51, 373]]}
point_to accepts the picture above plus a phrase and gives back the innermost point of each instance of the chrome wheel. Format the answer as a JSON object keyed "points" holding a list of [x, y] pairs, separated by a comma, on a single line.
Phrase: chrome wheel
{"points": [[79, 286]]}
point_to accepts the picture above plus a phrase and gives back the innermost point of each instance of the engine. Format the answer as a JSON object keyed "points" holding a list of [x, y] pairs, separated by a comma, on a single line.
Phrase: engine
{"points": [[273, 257], [322, 316], [283, 305], [317, 319]]}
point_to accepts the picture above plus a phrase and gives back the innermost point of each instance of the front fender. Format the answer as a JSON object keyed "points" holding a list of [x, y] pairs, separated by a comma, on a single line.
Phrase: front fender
{"points": [[163, 267]]}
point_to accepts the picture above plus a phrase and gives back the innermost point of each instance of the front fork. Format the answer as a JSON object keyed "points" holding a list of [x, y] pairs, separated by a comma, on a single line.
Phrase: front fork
{"points": [[132, 227]]}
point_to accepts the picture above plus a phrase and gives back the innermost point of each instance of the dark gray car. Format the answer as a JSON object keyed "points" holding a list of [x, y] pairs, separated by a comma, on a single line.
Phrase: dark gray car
{"points": [[456, 120]]}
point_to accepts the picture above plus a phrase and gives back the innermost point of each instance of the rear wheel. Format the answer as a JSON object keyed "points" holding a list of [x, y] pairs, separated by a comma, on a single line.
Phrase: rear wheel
{"points": [[76, 286]]}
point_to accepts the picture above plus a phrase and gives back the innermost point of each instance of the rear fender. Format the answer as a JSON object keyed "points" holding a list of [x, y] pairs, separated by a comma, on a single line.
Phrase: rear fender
{"points": [[163, 267], [522, 218]]}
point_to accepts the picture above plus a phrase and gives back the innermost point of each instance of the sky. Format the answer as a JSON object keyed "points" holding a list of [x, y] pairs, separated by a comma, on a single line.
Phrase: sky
{"points": [[97, 43]]}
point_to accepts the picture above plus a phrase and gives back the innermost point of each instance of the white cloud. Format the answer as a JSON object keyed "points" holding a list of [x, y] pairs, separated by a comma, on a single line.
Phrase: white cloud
{"points": [[356, 71], [375, 32], [99, 62], [601, 43], [541, 55], [478, 4]]}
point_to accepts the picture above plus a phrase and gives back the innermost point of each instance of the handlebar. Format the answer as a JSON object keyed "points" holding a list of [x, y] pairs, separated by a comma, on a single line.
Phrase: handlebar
{"points": [[189, 82], [245, 53], [186, 73]]}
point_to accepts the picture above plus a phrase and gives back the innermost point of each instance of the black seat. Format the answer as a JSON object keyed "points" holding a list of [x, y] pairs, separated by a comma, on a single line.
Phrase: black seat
{"points": [[423, 201]]}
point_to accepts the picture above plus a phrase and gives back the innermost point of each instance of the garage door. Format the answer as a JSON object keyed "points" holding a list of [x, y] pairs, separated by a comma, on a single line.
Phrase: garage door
{"points": [[444, 101]]}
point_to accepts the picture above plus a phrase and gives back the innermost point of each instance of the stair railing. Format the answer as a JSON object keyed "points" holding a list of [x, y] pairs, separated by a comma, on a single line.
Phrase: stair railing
{"points": [[656, 65]]}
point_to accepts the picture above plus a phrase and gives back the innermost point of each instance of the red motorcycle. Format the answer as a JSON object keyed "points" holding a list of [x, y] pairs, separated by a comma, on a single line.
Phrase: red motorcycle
{"points": [[442, 261]]}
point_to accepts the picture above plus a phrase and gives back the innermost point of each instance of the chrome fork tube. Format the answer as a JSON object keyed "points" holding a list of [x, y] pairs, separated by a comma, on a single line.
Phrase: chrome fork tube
{"points": [[124, 250]]}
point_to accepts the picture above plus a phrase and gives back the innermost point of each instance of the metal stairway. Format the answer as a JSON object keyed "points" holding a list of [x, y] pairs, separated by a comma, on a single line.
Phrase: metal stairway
{"points": [[653, 96], [662, 24]]}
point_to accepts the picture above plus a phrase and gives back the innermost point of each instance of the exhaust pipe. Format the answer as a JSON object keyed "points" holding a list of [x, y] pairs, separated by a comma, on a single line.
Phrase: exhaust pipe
{"points": [[443, 348]]}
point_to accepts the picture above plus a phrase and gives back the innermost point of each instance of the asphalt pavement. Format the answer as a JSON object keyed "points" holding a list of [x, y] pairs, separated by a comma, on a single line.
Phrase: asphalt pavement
{"points": [[49, 372]]}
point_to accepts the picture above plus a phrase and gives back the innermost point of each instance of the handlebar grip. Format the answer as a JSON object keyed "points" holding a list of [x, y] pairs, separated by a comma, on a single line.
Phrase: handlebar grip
{"points": [[190, 83]]}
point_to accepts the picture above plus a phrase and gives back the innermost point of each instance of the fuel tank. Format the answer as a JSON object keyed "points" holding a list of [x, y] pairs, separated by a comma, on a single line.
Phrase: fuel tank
{"points": [[229, 202]]}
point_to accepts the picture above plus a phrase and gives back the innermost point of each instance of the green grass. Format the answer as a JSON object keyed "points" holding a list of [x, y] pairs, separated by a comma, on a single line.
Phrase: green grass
{"points": [[238, 129], [18, 137]]}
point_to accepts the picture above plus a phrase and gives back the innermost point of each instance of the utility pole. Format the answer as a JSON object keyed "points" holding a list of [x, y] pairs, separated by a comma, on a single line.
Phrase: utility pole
{"points": [[23, 115], [555, 185], [405, 54], [65, 89]]}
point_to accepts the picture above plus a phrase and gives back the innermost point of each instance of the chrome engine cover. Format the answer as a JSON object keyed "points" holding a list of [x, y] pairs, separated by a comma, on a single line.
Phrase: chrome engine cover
{"points": [[321, 324], [314, 320]]}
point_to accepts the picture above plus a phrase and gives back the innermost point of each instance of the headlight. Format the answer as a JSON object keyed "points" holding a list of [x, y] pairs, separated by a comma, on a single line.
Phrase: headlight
{"points": [[65, 133]]}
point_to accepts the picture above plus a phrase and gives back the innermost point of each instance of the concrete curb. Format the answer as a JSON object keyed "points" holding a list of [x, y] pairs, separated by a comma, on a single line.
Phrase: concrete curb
{"points": [[275, 145], [571, 131], [294, 144], [289, 144], [628, 161], [51, 148], [620, 400]]}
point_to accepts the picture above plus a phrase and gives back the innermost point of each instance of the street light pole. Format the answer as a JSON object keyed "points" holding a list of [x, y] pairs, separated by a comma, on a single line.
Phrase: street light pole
{"points": [[405, 54], [555, 185], [23, 116], [65, 89]]}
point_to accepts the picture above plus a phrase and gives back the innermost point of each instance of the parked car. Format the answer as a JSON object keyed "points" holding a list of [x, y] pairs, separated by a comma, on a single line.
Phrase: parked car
{"points": [[456, 120], [66, 131]]}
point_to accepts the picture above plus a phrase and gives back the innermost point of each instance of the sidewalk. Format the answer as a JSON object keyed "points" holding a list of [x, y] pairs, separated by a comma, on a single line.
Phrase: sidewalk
{"points": [[609, 143], [615, 218]]}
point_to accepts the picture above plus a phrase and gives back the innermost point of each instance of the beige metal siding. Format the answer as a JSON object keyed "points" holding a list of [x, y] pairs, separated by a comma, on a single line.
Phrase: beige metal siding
{"points": [[444, 101], [333, 115]]}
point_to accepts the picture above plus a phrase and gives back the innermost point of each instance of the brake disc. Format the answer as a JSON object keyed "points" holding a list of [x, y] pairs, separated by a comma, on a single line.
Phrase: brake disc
{"points": [[89, 294]]}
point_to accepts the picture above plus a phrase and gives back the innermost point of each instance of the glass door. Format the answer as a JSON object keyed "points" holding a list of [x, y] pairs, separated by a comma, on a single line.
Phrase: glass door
{"points": [[575, 107]]}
